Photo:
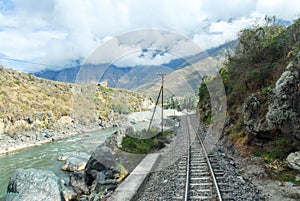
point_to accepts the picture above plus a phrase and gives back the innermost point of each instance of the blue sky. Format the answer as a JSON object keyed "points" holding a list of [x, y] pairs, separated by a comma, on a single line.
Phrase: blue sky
{"points": [[58, 32]]}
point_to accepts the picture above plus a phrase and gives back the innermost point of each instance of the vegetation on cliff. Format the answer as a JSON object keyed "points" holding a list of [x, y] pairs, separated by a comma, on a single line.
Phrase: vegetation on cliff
{"points": [[250, 76], [30, 103]]}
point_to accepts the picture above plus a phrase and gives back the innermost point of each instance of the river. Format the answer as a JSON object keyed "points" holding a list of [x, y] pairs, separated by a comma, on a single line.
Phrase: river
{"points": [[45, 156]]}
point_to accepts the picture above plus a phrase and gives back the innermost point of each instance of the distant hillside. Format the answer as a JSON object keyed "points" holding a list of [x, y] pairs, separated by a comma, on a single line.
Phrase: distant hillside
{"points": [[220, 51], [141, 77], [111, 74], [30, 103]]}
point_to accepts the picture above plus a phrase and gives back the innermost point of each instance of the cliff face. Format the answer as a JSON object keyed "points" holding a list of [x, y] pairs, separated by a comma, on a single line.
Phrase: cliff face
{"points": [[28, 103], [284, 110], [262, 87], [281, 114]]}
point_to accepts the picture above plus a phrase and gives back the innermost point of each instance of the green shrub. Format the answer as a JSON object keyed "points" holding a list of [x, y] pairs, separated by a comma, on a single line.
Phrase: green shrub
{"points": [[121, 108], [145, 146], [136, 146]]}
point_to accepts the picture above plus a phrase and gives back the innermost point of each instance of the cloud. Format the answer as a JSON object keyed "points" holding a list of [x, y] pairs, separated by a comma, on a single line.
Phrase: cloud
{"points": [[154, 46], [33, 7], [58, 32], [224, 10], [175, 15], [288, 10], [143, 58], [221, 32]]}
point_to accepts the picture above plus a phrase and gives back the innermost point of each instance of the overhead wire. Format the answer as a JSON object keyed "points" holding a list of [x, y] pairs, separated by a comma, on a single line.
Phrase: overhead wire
{"points": [[30, 62]]}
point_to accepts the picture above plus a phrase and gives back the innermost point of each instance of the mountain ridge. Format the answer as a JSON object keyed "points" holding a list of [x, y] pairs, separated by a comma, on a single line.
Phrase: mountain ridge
{"points": [[115, 76]]}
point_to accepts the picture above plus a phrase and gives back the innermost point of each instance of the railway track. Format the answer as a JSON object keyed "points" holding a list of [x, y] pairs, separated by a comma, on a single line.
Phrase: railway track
{"points": [[201, 177], [174, 182]]}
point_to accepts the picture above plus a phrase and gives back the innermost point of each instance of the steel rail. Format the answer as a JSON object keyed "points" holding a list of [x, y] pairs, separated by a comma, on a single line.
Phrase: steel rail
{"points": [[208, 162], [188, 162]]}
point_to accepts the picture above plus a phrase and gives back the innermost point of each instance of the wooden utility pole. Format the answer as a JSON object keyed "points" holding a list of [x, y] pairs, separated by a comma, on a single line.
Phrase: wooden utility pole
{"points": [[161, 92], [162, 100]]}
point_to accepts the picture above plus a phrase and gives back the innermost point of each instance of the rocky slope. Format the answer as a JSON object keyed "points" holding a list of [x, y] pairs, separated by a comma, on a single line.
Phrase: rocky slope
{"points": [[282, 114], [36, 110], [262, 87]]}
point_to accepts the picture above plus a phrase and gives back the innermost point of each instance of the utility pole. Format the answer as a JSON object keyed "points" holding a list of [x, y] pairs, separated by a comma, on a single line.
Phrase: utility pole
{"points": [[162, 100], [162, 103]]}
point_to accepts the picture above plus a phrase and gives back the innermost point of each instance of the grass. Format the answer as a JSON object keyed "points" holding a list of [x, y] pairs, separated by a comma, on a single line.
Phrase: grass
{"points": [[240, 139], [274, 156], [285, 175], [145, 146], [275, 150]]}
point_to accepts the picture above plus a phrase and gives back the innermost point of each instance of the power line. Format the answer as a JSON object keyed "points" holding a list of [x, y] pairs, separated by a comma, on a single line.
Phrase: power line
{"points": [[30, 62]]}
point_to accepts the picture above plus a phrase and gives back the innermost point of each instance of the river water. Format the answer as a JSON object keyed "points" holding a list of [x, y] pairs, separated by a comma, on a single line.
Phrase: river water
{"points": [[45, 156]]}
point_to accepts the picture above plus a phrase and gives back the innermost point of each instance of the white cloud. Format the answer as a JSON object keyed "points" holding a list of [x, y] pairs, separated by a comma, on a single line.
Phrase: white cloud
{"points": [[143, 58], [26, 45], [224, 9], [58, 32], [176, 15], [288, 10], [161, 46], [220, 32]]}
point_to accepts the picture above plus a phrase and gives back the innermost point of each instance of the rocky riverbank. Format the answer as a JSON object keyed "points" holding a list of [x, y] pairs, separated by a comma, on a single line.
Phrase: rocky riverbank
{"points": [[65, 129], [90, 174]]}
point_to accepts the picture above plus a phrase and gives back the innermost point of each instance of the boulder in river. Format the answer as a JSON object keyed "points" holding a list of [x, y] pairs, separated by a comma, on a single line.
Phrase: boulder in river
{"points": [[34, 185], [74, 161]]}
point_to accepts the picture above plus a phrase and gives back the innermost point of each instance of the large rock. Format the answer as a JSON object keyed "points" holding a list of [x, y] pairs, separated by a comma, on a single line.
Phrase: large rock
{"points": [[78, 184], [102, 160], [251, 108], [284, 111], [293, 160], [34, 185], [254, 110], [2, 126], [103, 170], [115, 140], [74, 161], [278, 113], [65, 120]]}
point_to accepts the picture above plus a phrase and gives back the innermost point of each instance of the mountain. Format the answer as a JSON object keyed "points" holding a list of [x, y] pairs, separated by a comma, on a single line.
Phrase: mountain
{"points": [[220, 51], [144, 78], [112, 73], [136, 78]]}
